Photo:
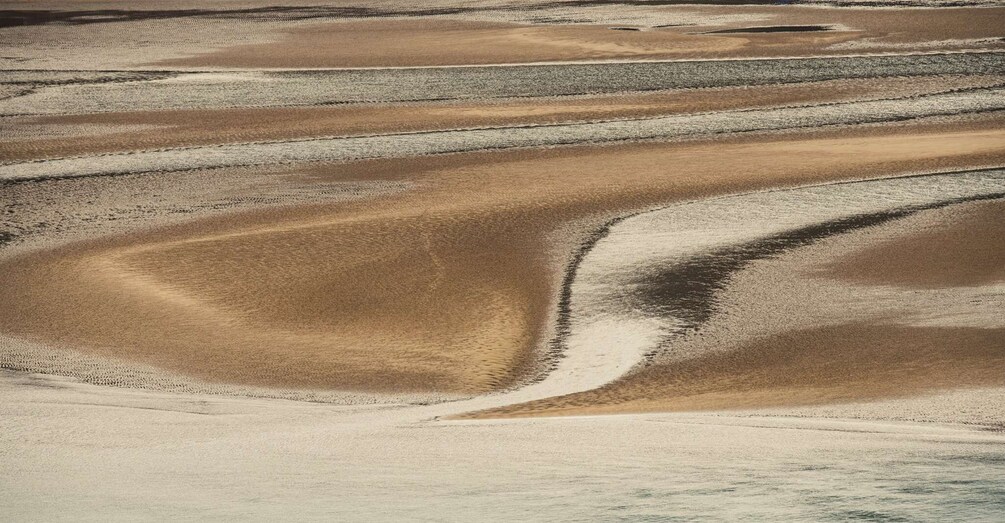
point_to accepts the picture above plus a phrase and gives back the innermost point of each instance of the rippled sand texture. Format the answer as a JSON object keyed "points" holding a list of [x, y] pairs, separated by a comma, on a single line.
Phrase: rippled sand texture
{"points": [[565, 261]]}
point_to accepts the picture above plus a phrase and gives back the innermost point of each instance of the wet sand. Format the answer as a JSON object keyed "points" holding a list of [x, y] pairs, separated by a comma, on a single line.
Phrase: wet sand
{"points": [[435, 41], [72, 135], [828, 365], [255, 255], [139, 454], [446, 288], [966, 249], [892, 354]]}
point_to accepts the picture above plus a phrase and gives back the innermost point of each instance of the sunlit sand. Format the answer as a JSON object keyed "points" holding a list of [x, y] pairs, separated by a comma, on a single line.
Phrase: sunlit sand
{"points": [[462, 261]]}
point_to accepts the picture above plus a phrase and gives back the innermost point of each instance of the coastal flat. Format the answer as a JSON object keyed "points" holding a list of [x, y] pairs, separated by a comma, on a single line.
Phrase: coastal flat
{"points": [[442, 288], [387, 43], [846, 360], [96, 133], [574, 260]]}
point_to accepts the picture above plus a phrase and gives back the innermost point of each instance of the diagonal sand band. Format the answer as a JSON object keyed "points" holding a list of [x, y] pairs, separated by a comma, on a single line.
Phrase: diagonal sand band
{"points": [[41, 137], [453, 141], [290, 88], [964, 251]]}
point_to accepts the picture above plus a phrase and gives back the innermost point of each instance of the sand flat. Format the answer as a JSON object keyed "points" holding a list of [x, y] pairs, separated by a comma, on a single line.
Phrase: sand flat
{"points": [[394, 295], [440, 41], [117, 132], [569, 260], [895, 351]]}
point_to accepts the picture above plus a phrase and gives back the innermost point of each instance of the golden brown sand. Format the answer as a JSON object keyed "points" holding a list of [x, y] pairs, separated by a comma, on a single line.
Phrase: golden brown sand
{"points": [[448, 281], [447, 287], [201, 127], [970, 250], [843, 363], [437, 41], [840, 363]]}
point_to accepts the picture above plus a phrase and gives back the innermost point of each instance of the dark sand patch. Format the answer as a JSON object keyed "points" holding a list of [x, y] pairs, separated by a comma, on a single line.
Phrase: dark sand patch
{"points": [[773, 29]]}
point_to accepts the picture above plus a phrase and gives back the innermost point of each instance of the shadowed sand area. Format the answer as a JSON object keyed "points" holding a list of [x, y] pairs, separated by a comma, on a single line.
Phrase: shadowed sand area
{"points": [[448, 287], [71, 135], [967, 250], [434, 41]]}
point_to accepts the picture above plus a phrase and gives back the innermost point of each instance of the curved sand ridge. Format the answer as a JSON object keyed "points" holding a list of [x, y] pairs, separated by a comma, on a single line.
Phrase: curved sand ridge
{"points": [[373, 456], [645, 290], [394, 295], [609, 331]]}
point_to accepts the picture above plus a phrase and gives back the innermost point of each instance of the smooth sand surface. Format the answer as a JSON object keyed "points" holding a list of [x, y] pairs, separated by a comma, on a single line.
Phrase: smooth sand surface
{"points": [[440, 41], [72, 135], [446, 288], [408, 42], [966, 249], [76, 450]]}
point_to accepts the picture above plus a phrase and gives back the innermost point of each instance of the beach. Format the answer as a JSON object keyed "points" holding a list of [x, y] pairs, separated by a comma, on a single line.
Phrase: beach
{"points": [[567, 261]]}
